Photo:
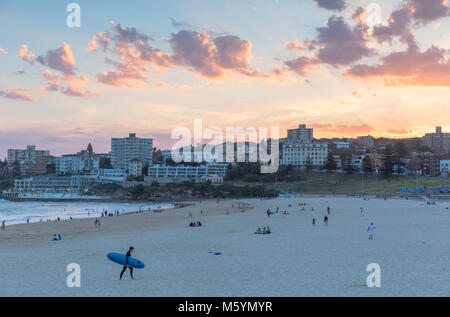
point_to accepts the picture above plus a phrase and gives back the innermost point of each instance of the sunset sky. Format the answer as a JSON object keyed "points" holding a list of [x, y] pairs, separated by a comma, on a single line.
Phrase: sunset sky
{"points": [[150, 66]]}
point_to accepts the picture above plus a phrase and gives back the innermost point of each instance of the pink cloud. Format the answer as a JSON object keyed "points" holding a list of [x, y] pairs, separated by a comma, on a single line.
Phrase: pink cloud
{"points": [[16, 94], [210, 56], [411, 67]]}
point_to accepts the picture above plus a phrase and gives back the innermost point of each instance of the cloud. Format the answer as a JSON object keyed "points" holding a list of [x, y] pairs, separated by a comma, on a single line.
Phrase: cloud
{"points": [[296, 45], [398, 25], [399, 131], [358, 14], [341, 44], [346, 129], [101, 40], [333, 5], [301, 65], [338, 44], [26, 55], [210, 56], [427, 11], [409, 68], [181, 24], [135, 56], [69, 85], [60, 59], [16, 94]]}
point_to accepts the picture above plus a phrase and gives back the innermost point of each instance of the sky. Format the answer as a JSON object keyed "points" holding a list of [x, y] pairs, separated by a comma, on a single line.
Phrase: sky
{"points": [[343, 67]]}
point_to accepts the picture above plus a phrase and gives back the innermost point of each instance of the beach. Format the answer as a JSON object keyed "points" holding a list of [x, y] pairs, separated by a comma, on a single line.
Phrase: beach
{"points": [[411, 246]]}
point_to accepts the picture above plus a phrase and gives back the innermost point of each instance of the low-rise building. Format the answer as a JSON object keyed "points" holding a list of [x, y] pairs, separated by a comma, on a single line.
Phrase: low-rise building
{"points": [[180, 172], [56, 184], [298, 153], [342, 144], [135, 167]]}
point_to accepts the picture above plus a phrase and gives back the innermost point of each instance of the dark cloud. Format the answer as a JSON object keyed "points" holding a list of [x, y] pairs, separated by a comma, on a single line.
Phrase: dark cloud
{"points": [[333, 5], [426, 11], [341, 44], [399, 25]]}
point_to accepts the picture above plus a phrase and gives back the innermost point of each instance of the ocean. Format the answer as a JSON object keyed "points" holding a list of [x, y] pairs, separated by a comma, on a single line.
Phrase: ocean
{"points": [[18, 212]]}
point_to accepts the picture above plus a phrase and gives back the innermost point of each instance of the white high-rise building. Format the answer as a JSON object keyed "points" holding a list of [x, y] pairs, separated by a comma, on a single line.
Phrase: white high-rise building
{"points": [[299, 147], [123, 150], [30, 154], [302, 133]]}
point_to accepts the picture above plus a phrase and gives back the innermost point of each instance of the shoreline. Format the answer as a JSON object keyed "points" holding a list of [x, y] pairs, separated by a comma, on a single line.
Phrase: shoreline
{"points": [[34, 233]]}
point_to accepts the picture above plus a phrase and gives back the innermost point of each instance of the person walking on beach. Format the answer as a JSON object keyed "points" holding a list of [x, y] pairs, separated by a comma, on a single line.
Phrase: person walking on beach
{"points": [[325, 220], [328, 210], [361, 212], [314, 222], [127, 265], [370, 230], [190, 214], [3, 225]]}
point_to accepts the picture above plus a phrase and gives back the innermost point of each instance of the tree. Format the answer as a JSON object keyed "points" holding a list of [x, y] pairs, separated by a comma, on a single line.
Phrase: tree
{"points": [[308, 165], [349, 168], [105, 163], [367, 165], [331, 164], [388, 161]]}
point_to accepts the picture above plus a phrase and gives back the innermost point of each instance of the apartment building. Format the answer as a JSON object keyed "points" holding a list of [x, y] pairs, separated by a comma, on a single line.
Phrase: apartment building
{"points": [[123, 150], [438, 140], [29, 154], [297, 153]]}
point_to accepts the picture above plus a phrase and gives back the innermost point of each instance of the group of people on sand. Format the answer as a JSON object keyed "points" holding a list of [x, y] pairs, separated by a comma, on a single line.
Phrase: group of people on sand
{"points": [[263, 231], [195, 224]]}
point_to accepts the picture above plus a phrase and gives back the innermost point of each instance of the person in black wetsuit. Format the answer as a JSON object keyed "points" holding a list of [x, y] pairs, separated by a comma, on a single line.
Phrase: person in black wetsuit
{"points": [[127, 265]]}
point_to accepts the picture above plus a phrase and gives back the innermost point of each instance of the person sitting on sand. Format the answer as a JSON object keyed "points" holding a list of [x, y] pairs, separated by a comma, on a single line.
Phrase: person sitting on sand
{"points": [[264, 230], [199, 224], [258, 231], [268, 230], [57, 237]]}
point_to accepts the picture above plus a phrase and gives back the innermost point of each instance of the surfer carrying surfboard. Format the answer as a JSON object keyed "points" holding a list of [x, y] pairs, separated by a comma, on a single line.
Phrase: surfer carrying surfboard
{"points": [[127, 265]]}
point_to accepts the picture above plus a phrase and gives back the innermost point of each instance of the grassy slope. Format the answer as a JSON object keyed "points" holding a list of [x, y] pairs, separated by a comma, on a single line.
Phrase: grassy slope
{"points": [[346, 184]]}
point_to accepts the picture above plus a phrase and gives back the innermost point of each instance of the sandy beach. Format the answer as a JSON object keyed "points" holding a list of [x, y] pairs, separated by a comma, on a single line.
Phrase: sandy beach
{"points": [[411, 245]]}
